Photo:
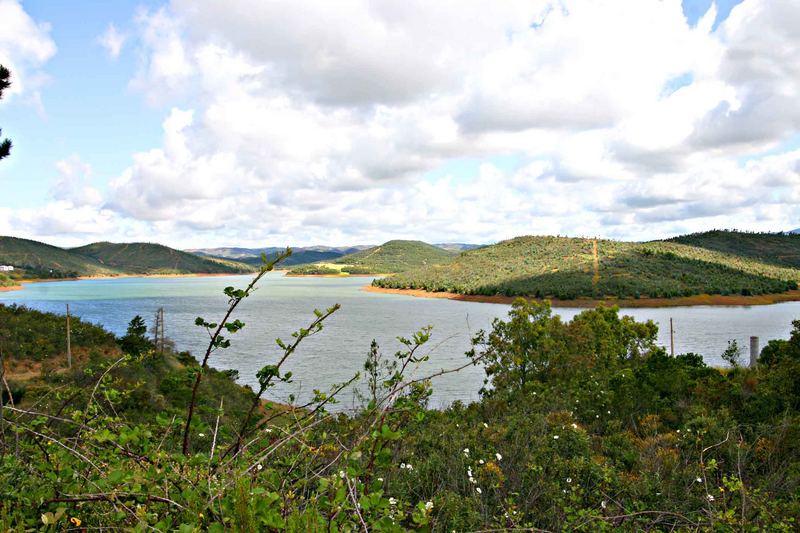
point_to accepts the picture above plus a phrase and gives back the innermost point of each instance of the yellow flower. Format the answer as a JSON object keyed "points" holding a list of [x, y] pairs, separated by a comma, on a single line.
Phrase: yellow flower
{"points": [[75, 521]]}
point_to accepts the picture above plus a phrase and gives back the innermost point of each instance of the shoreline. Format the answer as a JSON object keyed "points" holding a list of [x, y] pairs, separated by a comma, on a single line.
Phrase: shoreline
{"points": [[683, 301], [24, 282], [11, 288]]}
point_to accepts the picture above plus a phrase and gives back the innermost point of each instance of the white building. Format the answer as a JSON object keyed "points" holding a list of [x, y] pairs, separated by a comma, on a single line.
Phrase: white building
{"points": [[6, 268]]}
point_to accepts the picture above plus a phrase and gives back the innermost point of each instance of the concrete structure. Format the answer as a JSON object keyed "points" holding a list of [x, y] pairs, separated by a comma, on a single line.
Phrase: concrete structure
{"points": [[6, 268], [754, 352]]}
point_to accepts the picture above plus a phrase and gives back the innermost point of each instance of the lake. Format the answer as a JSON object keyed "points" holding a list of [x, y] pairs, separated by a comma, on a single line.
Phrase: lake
{"points": [[283, 304]]}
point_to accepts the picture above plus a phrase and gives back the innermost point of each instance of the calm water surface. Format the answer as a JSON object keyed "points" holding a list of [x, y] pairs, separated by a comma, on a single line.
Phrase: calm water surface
{"points": [[283, 304]]}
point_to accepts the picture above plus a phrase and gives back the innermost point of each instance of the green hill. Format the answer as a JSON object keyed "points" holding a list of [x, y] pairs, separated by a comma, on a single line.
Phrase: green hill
{"points": [[148, 258], [569, 268], [34, 259], [392, 256], [780, 249]]}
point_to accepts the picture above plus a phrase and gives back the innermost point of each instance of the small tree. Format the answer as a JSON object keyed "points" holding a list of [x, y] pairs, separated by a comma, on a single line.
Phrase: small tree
{"points": [[5, 83], [733, 354], [135, 341]]}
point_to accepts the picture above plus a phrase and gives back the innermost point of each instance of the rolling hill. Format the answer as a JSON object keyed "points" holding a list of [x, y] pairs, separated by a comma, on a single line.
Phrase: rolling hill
{"points": [[392, 256], [148, 258], [37, 259], [568, 268]]}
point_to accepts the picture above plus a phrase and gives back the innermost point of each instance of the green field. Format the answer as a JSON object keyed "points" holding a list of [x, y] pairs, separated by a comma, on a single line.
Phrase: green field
{"points": [[566, 268], [392, 256]]}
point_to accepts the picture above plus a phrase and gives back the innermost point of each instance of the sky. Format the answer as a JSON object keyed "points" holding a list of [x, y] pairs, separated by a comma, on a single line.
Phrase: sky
{"points": [[199, 123]]}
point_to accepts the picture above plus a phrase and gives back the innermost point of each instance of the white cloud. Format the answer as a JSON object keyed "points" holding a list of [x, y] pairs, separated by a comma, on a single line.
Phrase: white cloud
{"points": [[74, 183], [360, 121], [25, 46], [113, 41]]}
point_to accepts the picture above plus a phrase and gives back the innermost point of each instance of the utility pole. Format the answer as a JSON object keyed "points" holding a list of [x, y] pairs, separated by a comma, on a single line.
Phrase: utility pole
{"points": [[69, 344], [161, 321], [671, 338]]}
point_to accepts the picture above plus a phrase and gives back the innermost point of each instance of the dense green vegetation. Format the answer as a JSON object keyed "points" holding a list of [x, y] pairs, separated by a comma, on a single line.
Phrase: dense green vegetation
{"points": [[584, 425], [40, 260], [37, 260], [567, 268], [781, 249], [391, 256], [149, 258]]}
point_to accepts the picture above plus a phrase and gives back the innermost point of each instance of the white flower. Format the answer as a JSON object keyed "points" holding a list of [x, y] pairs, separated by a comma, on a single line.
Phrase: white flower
{"points": [[480, 461], [485, 425], [380, 479], [259, 466], [597, 416], [478, 490], [429, 506], [555, 437], [341, 474], [403, 466], [603, 504], [709, 497], [409, 467], [699, 480], [609, 412], [392, 501], [574, 426], [499, 457], [466, 452], [201, 434], [569, 480]]}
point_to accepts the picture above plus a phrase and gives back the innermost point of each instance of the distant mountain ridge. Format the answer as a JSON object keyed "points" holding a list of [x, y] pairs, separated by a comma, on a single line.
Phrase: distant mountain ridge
{"points": [[389, 257], [303, 255]]}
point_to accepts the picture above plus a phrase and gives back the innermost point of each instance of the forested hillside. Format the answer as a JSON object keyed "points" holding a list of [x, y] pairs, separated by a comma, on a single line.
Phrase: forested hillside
{"points": [[37, 259], [567, 268], [781, 249], [149, 258]]}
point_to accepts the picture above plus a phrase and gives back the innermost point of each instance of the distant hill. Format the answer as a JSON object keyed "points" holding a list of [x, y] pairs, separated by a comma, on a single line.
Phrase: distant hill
{"points": [[39, 260], [458, 246], [149, 258], [568, 268], [234, 252], [392, 256], [300, 255]]}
